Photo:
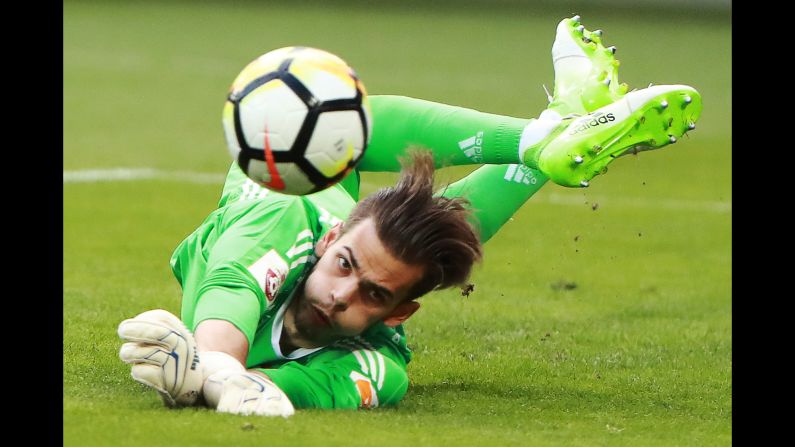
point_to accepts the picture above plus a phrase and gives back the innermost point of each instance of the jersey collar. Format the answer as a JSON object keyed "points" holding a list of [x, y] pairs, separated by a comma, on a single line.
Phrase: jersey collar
{"points": [[276, 335]]}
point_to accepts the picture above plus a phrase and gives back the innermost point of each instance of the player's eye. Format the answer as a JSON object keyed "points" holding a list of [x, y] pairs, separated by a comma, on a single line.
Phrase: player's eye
{"points": [[343, 263], [376, 295]]}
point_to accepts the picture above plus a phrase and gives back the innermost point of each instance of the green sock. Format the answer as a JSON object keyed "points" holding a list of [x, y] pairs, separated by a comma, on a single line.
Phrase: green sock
{"points": [[455, 135], [496, 193]]}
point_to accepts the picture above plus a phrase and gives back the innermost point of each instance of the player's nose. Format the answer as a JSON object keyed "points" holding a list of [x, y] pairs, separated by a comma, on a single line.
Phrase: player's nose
{"points": [[342, 294]]}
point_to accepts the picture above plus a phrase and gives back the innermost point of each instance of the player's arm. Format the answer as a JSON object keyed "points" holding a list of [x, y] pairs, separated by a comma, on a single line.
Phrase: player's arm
{"points": [[334, 378], [269, 239], [223, 308], [259, 243], [455, 135]]}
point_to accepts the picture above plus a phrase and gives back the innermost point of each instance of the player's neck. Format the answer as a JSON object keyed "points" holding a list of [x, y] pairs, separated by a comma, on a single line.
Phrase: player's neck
{"points": [[290, 339]]}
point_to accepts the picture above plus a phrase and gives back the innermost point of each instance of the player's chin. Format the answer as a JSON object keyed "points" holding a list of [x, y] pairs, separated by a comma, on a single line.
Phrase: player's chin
{"points": [[316, 331], [323, 335]]}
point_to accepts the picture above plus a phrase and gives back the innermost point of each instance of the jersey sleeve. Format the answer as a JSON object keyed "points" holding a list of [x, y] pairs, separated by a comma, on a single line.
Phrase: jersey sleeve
{"points": [[343, 377], [263, 246]]}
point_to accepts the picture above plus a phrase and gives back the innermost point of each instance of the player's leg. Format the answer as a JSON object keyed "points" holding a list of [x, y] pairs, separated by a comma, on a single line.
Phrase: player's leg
{"points": [[586, 78], [569, 151], [455, 135], [495, 193], [459, 136]]}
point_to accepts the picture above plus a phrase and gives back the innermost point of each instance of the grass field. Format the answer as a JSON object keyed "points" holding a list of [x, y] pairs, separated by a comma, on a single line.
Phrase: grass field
{"points": [[638, 353]]}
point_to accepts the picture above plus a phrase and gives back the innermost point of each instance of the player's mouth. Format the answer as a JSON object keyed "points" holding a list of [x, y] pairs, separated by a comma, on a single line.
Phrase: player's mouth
{"points": [[319, 317]]}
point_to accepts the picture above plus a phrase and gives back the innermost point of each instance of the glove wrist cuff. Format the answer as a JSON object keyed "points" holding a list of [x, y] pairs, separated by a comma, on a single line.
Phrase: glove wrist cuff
{"points": [[214, 361]]}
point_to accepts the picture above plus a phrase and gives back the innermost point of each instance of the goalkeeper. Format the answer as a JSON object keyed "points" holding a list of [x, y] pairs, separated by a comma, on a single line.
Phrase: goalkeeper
{"points": [[298, 302]]}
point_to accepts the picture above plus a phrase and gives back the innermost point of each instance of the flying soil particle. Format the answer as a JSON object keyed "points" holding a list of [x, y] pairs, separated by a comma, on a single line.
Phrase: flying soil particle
{"points": [[564, 285]]}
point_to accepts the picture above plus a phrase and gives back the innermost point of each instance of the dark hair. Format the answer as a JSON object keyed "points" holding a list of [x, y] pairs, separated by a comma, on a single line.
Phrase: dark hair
{"points": [[419, 228]]}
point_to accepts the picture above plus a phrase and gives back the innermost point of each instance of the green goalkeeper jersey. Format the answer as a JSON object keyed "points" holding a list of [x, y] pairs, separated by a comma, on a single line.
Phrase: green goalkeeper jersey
{"points": [[248, 257], [244, 264]]}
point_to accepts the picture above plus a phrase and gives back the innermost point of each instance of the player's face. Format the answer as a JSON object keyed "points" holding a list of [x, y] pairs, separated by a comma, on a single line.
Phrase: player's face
{"points": [[355, 284]]}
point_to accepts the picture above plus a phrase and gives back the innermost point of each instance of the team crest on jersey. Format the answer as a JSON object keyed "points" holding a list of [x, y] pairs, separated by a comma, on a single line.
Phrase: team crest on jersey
{"points": [[273, 280], [270, 272]]}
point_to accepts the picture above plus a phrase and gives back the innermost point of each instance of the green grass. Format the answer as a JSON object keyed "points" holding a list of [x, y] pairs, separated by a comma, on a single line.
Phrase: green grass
{"points": [[638, 353]]}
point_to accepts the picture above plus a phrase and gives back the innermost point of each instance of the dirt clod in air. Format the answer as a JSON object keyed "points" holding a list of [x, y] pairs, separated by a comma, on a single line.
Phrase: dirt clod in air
{"points": [[564, 285]]}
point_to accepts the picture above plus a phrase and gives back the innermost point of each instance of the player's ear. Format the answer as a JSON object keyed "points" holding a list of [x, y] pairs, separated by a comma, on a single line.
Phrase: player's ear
{"points": [[401, 313], [332, 235]]}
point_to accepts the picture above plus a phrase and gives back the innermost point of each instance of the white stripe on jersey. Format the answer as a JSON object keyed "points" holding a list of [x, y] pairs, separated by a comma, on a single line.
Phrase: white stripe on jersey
{"points": [[300, 249], [362, 363], [371, 360], [299, 261], [303, 235], [375, 359], [381, 369], [252, 190]]}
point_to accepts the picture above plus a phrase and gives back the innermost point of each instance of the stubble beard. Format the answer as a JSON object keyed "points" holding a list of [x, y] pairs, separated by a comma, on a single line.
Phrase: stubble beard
{"points": [[303, 331]]}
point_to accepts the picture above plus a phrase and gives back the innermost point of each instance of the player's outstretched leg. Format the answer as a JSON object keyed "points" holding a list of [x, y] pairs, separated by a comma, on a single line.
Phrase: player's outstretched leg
{"points": [[586, 73], [581, 148]]}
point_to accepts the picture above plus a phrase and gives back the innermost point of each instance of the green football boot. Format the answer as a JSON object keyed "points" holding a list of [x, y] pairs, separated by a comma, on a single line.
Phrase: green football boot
{"points": [[582, 147], [586, 73]]}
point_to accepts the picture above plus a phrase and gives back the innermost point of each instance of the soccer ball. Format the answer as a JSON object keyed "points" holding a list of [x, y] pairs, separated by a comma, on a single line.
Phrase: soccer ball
{"points": [[297, 120]]}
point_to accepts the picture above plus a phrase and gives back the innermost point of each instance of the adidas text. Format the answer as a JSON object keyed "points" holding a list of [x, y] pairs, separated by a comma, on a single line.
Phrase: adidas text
{"points": [[592, 122]]}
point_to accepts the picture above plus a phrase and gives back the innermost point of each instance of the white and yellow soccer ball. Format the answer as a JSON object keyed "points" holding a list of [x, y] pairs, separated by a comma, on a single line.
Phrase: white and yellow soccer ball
{"points": [[297, 120]]}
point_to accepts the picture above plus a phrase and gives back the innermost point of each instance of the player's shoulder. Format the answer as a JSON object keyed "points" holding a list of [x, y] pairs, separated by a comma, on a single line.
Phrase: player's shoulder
{"points": [[378, 368], [281, 224], [242, 195], [273, 206], [379, 338]]}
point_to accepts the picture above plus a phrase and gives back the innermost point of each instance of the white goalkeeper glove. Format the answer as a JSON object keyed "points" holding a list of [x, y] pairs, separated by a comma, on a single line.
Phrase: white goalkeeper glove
{"points": [[164, 356], [246, 393]]}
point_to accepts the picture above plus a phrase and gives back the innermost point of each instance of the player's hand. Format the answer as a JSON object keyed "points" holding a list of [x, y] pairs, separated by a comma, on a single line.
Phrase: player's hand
{"points": [[163, 355], [246, 393]]}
